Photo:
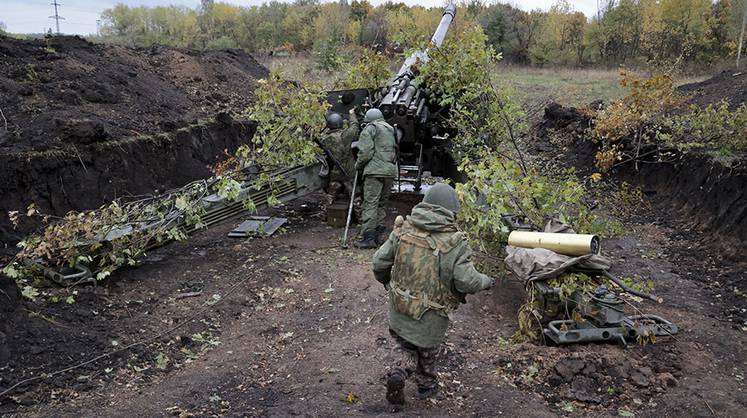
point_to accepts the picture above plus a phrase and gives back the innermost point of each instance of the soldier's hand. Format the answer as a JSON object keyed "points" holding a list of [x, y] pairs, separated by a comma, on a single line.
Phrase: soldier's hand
{"points": [[351, 111]]}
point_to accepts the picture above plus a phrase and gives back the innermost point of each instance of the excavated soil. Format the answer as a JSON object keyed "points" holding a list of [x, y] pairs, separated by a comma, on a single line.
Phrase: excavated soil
{"points": [[89, 176], [730, 85], [64, 91], [89, 123]]}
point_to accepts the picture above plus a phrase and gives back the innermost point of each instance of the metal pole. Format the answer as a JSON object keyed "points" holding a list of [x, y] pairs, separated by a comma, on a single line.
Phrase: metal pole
{"points": [[741, 34], [56, 16], [350, 212]]}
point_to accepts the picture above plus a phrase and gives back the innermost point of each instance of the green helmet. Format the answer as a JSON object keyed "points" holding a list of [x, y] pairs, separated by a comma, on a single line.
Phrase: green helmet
{"points": [[443, 195], [334, 121], [373, 115]]}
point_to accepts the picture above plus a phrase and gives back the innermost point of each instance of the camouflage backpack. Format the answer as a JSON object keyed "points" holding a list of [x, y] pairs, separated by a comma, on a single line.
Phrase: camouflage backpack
{"points": [[417, 284]]}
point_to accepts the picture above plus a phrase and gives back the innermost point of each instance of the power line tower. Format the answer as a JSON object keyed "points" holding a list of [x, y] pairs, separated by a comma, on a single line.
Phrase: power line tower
{"points": [[56, 16]]}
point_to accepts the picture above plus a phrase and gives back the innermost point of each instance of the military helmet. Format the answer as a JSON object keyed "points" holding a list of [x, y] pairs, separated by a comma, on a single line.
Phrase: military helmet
{"points": [[443, 195], [334, 121], [373, 115]]}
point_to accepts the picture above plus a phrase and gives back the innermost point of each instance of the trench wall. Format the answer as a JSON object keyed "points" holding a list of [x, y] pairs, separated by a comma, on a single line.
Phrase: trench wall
{"points": [[86, 177], [703, 193]]}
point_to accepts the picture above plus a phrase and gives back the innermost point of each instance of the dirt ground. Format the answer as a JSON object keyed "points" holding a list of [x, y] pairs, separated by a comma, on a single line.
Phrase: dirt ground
{"points": [[294, 325]]}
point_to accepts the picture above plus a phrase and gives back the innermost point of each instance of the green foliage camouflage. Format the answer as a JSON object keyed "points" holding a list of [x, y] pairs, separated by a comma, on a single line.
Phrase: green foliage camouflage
{"points": [[715, 128], [369, 72], [489, 130]]}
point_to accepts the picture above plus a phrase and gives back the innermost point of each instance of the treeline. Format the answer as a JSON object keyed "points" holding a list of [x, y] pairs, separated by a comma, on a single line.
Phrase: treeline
{"points": [[631, 32]]}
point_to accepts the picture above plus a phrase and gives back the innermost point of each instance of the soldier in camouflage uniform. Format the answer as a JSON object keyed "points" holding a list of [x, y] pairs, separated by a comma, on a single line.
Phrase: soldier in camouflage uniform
{"points": [[377, 156], [339, 142], [425, 266]]}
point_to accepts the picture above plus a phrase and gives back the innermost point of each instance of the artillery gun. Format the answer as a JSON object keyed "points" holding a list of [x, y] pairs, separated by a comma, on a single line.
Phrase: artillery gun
{"points": [[423, 146], [422, 135]]}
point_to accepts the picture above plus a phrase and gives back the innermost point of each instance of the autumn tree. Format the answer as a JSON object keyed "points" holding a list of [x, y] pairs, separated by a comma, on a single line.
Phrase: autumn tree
{"points": [[631, 32], [615, 34], [561, 39]]}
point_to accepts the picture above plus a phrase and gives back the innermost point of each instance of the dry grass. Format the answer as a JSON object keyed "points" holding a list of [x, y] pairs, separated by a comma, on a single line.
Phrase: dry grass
{"points": [[568, 86], [530, 86], [302, 68]]}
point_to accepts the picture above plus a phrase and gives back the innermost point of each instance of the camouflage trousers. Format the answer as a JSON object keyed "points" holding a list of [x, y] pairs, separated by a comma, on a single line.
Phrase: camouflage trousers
{"points": [[410, 360], [376, 191]]}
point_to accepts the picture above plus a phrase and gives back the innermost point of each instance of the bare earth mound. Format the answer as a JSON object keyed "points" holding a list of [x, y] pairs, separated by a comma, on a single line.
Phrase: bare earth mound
{"points": [[90, 123], [730, 85], [66, 90]]}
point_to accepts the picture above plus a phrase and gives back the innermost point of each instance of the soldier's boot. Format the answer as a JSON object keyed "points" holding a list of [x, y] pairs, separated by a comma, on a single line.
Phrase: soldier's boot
{"points": [[367, 241], [395, 388]]}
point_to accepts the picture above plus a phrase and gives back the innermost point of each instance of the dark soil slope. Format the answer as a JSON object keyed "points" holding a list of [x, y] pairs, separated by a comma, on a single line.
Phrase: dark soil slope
{"points": [[66, 90], [729, 85], [59, 181], [86, 123], [703, 193]]}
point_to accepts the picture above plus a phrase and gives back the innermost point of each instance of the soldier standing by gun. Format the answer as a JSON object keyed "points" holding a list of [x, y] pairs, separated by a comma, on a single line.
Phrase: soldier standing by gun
{"points": [[425, 266], [341, 162], [377, 158]]}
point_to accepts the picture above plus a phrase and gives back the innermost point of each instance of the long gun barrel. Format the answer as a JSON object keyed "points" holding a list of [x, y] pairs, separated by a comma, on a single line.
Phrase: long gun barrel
{"points": [[418, 116], [443, 26], [403, 97]]}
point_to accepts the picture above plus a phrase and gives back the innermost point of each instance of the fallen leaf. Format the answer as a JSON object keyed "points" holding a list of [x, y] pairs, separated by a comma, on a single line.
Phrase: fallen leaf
{"points": [[352, 397], [162, 361]]}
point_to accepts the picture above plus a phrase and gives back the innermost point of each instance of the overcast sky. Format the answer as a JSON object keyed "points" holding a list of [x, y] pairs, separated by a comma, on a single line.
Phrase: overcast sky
{"points": [[31, 16]]}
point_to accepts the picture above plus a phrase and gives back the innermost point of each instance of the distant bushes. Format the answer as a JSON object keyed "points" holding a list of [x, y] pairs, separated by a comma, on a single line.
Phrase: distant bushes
{"points": [[658, 33]]}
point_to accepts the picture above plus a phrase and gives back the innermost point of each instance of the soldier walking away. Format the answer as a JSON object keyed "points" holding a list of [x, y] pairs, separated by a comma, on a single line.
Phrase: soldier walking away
{"points": [[338, 142], [377, 156], [426, 267]]}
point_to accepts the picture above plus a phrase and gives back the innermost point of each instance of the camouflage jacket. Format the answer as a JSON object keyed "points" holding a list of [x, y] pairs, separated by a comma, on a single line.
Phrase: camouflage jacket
{"points": [[338, 143], [377, 150], [426, 264]]}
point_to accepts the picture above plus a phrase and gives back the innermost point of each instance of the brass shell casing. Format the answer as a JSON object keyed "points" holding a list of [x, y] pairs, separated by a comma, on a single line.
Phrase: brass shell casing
{"points": [[568, 244]]}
